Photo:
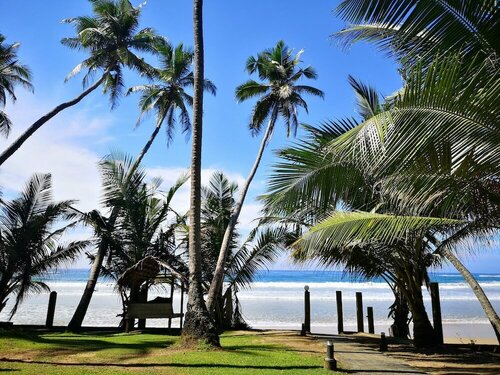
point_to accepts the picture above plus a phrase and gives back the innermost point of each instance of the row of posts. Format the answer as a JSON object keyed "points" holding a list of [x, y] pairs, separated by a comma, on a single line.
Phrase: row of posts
{"points": [[306, 326]]}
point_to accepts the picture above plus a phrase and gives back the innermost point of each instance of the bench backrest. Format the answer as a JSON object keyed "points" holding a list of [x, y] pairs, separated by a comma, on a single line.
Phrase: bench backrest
{"points": [[150, 310]]}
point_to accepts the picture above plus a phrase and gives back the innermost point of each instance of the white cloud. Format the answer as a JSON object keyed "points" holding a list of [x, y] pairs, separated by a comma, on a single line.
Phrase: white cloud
{"points": [[64, 147]]}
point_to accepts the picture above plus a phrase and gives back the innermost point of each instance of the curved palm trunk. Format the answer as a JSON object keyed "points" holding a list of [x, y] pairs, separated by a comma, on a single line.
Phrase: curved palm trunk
{"points": [[218, 279], [476, 288], [42, 120], [198, 325], [148, 144]]}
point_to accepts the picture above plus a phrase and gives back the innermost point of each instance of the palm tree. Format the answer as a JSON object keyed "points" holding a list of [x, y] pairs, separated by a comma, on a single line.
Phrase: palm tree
{"points": [[168, 96], [280, 97], [130, 178], [448, 50], [198, 323], [257, 251], [141, 228], [165, 98], [109, 36], [29, 241], [12, 73]]}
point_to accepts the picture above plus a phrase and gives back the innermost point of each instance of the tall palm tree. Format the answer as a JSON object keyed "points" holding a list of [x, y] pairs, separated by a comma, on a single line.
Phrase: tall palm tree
{"points": [[109, 36], [257, 251], [280, 97], [198, 323], [12, 73], [168, 96], [30, 231]]}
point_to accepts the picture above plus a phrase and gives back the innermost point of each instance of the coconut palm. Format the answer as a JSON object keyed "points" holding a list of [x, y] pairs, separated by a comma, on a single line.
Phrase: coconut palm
{"points": [[109, 36], [417, 30], [280, 97], [308, 184], [257, 251], [12, 73], [198, 323], [141, 228], [30, 246], [168, 95]]}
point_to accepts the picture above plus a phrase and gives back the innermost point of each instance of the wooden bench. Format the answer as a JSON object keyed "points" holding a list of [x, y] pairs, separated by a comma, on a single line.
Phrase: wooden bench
{"points": [[159, 308]]}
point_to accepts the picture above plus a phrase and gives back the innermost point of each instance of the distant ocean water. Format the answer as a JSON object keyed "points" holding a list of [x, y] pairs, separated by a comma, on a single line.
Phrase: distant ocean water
{"points": [[275, 300]]}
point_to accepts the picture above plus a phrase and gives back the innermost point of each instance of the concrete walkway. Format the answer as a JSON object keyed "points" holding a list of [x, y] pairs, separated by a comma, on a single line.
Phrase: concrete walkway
{"points": [[358, 354]]}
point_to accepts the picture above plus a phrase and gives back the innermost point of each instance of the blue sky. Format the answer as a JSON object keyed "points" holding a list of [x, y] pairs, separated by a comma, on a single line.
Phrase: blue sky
{"points": [[71, 144]]}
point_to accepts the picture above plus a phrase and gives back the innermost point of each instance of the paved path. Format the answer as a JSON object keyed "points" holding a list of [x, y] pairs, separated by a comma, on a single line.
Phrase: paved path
{"points": [[357, 354]]}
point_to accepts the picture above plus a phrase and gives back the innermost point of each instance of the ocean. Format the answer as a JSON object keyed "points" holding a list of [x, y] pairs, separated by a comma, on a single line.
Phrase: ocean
{"points": [[275, 300]]}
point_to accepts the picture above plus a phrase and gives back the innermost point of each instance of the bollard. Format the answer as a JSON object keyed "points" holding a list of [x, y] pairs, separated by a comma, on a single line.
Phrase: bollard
{"points": [[371, 326], [359, 311], [383, 342], [340, 313], [49, 322], [307, 309], [330, 362], [436, 312]]}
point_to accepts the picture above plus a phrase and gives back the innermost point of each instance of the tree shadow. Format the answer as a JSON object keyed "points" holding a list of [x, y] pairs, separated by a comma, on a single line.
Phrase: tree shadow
{"points": [[166, 365], [78, 343]]}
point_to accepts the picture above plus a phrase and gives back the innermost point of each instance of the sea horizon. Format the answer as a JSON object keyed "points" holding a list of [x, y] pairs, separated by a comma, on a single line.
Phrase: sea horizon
{"points": [[275, 301]]}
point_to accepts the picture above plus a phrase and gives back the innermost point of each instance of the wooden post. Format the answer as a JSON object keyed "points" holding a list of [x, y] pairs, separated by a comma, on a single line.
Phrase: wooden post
{"points": [[383, 342], [340, 312], [307, 309], [141, 323], [182, 303], [49, 322], [171, 300], [436, 312], [359, 311], [371, 326]]}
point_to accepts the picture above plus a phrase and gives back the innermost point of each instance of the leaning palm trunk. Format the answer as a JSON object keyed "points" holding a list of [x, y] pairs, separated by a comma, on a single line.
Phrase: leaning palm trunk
{"points": [[218, 279], [76, 321], [42, 120], [476, 288], [149, 143], [198, 326]]}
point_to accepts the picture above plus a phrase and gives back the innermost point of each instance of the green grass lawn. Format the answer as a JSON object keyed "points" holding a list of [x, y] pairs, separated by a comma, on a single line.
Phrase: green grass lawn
{"points": [[242, 353]]}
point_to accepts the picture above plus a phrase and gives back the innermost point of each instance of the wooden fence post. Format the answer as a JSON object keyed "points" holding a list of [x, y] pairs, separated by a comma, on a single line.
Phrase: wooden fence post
{"points": [[49, 322], [307, 309], [359, 311], [371, 325], [436, 312], [340, 312]]}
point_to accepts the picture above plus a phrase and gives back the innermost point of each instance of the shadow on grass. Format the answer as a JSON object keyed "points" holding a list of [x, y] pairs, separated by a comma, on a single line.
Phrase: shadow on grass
{"points": [[174, 365], [79, 342]]}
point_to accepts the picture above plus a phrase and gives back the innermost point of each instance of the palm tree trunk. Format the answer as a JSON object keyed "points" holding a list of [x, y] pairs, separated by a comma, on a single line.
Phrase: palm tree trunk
{"points": [[76, 321], [411, 288], [4, 289], [476, 288], [198, 325], [42, 120], [218, 279], [148, 144]]}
